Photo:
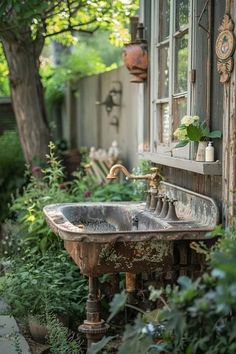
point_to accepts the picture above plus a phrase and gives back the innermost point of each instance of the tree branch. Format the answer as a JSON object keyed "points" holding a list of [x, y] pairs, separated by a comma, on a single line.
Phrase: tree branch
{"points": [[69, 10], [73, 28], [50, 9]]}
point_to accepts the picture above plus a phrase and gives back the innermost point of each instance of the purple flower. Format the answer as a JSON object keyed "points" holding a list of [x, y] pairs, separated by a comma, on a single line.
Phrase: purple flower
{"points": [[87, 194], [36, 169]]}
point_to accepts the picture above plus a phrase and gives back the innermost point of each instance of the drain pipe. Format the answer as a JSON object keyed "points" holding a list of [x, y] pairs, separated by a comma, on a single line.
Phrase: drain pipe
{"points": [[94, 327], [130, 282]]}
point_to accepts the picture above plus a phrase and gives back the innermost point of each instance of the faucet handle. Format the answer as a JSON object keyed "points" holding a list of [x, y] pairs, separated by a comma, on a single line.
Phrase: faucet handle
{"points": [[155, 177], [165, 198], [172, 200], [154, 169], [171, 215]]}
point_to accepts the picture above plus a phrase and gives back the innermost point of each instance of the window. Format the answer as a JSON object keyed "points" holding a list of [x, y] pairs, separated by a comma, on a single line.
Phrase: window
{"points": [[170, 66]]}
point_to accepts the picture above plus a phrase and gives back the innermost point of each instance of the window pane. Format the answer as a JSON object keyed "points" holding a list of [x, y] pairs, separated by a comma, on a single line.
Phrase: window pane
{"points": [[179, 110], [164, 118], [182, 9], [181, 64], [163, 72], [164, 19]]}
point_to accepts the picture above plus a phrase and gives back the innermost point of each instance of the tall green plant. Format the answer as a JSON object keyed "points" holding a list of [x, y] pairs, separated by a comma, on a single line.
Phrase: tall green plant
{"points": [[58, 337], [43, 188]]}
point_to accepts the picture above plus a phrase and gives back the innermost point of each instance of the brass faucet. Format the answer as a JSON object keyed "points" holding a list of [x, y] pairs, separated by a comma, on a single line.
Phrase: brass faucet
{"points": [[154, 177]]}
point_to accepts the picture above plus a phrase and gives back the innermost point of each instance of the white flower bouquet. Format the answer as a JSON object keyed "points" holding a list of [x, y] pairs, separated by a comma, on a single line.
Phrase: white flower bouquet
{"points": [[191, 129]]}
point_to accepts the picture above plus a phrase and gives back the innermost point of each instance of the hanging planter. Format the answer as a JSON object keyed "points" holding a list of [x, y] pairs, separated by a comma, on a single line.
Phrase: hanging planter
{"points": [[135, 57]]}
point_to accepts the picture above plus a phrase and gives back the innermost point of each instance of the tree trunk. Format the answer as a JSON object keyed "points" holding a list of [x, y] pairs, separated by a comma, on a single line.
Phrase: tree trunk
{"points": [[27, 95]]}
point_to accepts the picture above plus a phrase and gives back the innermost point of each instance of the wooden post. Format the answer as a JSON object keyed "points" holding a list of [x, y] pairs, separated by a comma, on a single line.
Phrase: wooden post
{"points": [[229, 136]]}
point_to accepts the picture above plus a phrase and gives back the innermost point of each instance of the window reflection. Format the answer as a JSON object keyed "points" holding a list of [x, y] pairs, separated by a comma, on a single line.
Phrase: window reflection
{"points": [[179, 110], [164, 19], [164, 113], [163, 77], [182, 13], [181, 64]]}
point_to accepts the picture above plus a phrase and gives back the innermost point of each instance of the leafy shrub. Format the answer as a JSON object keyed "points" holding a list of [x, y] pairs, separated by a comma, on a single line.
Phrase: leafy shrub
{"points": [[201, 317], [4, 81], [11, 240], [83, 61], [52, 281], [86, 189], [45, 187]]}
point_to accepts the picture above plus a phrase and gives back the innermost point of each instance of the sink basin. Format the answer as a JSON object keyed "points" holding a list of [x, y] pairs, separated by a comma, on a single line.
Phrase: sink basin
{"points": [[94, 218], [124, 237], [109, 237]]}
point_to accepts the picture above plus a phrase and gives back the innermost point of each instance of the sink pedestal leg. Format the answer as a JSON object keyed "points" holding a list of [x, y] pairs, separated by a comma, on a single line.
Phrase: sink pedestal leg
{"points": [[94, 327]]}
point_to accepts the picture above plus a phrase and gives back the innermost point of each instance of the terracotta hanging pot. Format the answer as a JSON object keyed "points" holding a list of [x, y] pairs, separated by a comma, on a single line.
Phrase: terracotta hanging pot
{"points": [[135, 57]]}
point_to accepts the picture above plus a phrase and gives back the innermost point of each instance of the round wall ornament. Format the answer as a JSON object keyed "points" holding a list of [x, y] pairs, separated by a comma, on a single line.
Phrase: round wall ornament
{"points": [[225, 46]]}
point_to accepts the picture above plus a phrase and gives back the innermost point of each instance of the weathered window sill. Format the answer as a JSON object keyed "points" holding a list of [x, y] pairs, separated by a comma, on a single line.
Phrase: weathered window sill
{"points": [[203, 168]]}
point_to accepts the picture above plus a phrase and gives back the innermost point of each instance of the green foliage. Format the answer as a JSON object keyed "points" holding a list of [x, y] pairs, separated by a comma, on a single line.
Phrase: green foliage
{"points": [[11, 242], [57, 337], [58, 15], [117, 304], [83, 61], [198, 317], [4, 81], [116, 192], [206, 308], [11, 157], [17, 345], [100, 42], [51, 281], [43, 188], [12, 167], [97, 347], [85, 187]]}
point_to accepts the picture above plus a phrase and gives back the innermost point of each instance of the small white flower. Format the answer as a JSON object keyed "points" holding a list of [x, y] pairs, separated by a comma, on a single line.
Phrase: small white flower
{"points": [[149, 328], [187, 120], [196, 118], [181, 134]]}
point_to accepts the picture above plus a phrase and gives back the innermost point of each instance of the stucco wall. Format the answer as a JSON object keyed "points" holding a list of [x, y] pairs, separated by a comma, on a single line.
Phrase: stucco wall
{"points": [[86, 123]]}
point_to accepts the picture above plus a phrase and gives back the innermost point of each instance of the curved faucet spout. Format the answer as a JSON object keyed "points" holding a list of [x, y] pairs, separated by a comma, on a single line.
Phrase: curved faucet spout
{"points": [[115, 169], [154, 177]]}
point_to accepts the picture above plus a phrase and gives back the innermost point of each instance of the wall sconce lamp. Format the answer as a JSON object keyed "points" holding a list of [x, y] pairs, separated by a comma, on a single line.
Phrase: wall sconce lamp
{"points": [[115, 122], [113, 98]]}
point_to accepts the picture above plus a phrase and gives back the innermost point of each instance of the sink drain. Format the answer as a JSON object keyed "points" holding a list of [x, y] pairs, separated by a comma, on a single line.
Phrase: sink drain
{"points": [[95, 225]]}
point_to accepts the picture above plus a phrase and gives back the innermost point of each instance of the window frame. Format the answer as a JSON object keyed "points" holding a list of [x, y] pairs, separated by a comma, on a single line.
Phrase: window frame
{"points": [[156, 146]]}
